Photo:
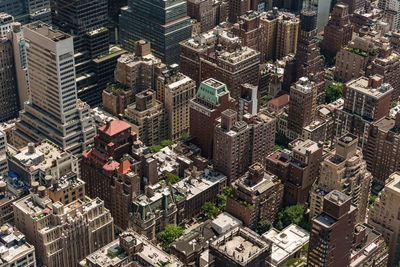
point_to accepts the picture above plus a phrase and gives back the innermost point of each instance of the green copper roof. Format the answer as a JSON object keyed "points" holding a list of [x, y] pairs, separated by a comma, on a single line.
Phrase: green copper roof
{"points": [[211, 90]]}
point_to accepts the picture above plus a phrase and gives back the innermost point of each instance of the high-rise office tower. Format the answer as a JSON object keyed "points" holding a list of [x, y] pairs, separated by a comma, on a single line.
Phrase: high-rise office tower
{"points": [[382, 152], [302, 105], [344, 170], [87, 22], [322, 9], [384, 216], [308, 61], [339, 31], [26, 11], [281, 33], [9, 103], [54, 111], [163, 23], [357, 114], [331, 235], [211, 99]]}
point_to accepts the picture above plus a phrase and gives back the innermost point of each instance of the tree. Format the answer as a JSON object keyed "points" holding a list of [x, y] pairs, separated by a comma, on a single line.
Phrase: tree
{"points": [[221, 200], [170, 234], [293, 214], [167, 142], [155, 148], [333, 91], [263, 226], [210, 210], [171, 178]]}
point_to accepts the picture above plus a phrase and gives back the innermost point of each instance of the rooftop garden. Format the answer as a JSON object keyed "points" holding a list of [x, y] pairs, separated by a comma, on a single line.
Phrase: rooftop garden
{"points": [[362, 52]]}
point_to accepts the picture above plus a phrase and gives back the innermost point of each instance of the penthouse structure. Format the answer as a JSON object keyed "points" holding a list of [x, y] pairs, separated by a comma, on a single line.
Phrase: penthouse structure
{"points": [[240, 247], [256, 196], [281, 33], [333, 230], [212, 97], [192, 192], [344, 170], [357, 115], [112, 141], [193, 49], [382, 152], [63, 234], [14, 248], [53, 112], [129, 249], [381, 214]]}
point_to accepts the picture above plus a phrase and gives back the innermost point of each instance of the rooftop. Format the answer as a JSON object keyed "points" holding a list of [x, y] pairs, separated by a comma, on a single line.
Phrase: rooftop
{"points": [[287, 242], [394, 182], [211, 90], [192, 186], [363, 86], [305, 147], [241, 245], [225, 222], [114, 127], [113, 255], [47, 31], [12, 244], [280, 101], [325, 220]]}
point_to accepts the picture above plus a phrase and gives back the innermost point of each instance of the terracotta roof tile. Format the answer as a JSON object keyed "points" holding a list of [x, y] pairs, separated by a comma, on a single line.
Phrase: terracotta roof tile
{"points": [[114, 127], [280, 101]]}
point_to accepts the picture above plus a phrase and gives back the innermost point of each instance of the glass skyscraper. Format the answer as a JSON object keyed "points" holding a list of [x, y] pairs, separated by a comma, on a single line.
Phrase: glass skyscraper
{"points": [[164, 23]]}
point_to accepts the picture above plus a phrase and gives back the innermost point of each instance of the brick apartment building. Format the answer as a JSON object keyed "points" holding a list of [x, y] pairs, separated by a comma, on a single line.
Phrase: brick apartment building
{"points": [[256, 196], [211, 99], [112, 141], [339, 30]]}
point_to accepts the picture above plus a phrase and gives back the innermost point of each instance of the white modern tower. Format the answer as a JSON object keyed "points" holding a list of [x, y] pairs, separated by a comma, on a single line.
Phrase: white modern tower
{"points": [[53, 112]]}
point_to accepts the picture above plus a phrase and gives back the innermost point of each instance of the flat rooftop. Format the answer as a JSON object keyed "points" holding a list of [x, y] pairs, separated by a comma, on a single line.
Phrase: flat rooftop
{"points": [[241, 245], [394, 182], [287, 242], [362, 85], [386, 124], [47, 31], [305, 146], [12, 244], [325, 220]]}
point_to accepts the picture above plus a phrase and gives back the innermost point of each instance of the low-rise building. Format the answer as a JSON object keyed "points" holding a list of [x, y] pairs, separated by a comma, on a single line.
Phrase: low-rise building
{"points": [[240, 247], [153, 210], [130, 249], [14, 250], [286, 244], [225, 222], [192, 192]]}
